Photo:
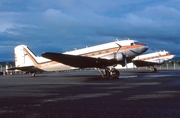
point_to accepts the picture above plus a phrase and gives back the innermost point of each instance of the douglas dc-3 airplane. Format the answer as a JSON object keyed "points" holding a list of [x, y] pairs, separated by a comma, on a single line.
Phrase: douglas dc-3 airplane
{"points": [[104, 57], [152, 59]]}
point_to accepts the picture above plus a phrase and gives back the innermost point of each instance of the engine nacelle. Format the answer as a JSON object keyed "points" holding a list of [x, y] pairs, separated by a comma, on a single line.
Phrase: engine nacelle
{"points": [[116, 56], [119, 56]]}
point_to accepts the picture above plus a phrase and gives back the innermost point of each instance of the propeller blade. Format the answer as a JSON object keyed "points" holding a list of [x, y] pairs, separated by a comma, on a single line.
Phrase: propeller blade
{"points": [[119, 47]]}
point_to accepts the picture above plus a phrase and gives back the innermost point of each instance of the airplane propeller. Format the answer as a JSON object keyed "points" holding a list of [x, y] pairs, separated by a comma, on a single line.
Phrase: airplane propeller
{"points": [[124, 57], [125, 61], [119, 47], [158, 58]]}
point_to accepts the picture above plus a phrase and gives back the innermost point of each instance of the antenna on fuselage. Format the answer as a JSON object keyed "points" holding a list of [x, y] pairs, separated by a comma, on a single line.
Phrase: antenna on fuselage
{"points": [[116, 39]]}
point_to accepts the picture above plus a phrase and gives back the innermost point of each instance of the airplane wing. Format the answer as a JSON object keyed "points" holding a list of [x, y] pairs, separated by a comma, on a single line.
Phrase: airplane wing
{"points": [[140, 63], [79, 61]]}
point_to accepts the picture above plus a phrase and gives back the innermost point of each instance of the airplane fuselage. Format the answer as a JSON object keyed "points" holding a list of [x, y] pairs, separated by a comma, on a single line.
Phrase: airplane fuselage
{"points": [[128, 48]]}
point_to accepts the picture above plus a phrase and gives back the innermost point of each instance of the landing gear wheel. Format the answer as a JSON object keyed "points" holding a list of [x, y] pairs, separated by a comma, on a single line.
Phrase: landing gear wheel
{"points": [[106, 74], [154, 70], [33, 74], [115, 73]]}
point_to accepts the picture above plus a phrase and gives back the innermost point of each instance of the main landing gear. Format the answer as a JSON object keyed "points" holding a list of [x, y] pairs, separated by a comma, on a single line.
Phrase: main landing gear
{"points": [[106, 73], [33, 74], [154, 70]]}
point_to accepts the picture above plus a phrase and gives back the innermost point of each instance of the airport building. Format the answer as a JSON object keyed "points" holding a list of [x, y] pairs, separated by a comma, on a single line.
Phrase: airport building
{"points": [[6, 65]]}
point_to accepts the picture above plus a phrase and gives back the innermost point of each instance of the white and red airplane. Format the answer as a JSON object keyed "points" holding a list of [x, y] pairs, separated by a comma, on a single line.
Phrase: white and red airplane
{"points": [[152, 59], [104, 57]]}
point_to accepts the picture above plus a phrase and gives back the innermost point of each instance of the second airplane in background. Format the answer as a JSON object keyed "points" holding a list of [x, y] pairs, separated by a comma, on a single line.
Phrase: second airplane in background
{"points": [[149, 60], [104, 57], [152, 59]]}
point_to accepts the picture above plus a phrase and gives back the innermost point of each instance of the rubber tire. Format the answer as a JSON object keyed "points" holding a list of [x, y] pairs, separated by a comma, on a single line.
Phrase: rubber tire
{"points": [[106, 75], [115, 74]]}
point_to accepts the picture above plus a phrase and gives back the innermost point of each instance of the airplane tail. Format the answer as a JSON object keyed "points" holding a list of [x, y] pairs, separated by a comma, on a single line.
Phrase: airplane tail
{"points": [[24, 56]]}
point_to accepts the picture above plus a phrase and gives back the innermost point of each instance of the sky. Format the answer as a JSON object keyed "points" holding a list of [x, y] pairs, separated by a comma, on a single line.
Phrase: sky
{"points": [[62, 25]]}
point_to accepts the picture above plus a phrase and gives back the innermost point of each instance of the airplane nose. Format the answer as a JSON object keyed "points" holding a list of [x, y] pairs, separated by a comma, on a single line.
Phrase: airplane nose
{"points": [[169, 57], [172, 56], [145, 48]]}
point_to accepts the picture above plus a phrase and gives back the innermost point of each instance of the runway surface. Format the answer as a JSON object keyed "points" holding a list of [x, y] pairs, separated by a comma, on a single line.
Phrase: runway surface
{"points": [[84, 94]]}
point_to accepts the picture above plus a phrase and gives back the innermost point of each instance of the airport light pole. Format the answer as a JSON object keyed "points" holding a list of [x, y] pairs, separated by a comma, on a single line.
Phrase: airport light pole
{"points": [[1, 68]]}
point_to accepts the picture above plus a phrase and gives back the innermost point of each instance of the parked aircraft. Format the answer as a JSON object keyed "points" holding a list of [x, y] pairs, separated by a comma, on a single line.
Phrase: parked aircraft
{"points": [[152, 59], [104, 57]]}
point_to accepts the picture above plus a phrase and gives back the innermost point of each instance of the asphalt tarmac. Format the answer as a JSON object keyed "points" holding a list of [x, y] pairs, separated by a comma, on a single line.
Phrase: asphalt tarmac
{"points": [[84, 94]]}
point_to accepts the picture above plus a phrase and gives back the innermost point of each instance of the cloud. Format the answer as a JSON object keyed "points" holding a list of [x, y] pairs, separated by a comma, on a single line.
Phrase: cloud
{"points": [[4, 27], [63, 25]]}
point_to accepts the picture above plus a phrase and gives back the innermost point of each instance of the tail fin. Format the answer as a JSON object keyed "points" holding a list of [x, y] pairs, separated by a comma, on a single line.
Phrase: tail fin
{"points": [[24, 56]]}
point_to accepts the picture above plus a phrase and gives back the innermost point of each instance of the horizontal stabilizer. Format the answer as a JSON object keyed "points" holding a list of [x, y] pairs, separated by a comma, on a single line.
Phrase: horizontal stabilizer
{"points": [[27, 68], [19, 68]]}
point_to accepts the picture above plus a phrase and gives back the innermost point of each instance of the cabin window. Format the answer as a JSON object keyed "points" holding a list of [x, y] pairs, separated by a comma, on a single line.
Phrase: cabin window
{"points": [[107, 51]]}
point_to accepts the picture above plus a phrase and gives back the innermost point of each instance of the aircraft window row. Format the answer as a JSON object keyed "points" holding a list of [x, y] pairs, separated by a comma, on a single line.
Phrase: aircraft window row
{"points": [[150, 58], [99, 52], [136, 42], [95, 53]]}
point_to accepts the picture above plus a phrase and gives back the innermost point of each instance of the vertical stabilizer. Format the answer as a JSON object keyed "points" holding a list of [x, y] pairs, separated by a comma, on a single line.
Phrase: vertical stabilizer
{"points": [[23, 56]]}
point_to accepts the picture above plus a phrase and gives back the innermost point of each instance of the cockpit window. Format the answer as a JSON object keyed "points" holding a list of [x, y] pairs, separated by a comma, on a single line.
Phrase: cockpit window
{"points": [[136, 42]]}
